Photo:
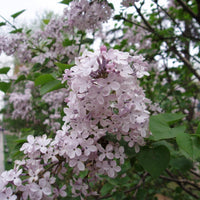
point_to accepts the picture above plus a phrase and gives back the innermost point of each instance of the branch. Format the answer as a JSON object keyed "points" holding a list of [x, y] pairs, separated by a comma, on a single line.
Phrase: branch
{"points": [[13, 26], [173, 48], [194, 173], [142, 180], [185, 61], [183, 4], [178, 25], [180, 183]]}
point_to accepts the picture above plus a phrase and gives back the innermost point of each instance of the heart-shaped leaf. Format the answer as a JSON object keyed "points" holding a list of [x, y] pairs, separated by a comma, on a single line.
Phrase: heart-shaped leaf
{"points": [[154, 160]]}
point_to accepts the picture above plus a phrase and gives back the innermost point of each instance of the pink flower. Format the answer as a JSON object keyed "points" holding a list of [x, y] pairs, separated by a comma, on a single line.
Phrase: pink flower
{"points": [[43, 188], [106, 153], [113, 168], [8, 194]]}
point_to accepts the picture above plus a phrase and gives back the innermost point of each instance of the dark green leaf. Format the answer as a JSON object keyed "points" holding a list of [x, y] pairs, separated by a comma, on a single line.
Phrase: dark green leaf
{"points": [[4, 86], [20, 78], [4, 70], [2, 23], [198, 129], [50, 86], [155, 160], [36, 67], [17, 14], [17, 30], [68, 42], [181, 163], [44, 78], [87, 40], [66, 2], [106, 189]]}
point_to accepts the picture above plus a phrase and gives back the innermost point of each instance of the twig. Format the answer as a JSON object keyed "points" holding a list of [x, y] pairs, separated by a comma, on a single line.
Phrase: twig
{"points": [[194, 173], [180, 183], [183, 4], [142, 180]]}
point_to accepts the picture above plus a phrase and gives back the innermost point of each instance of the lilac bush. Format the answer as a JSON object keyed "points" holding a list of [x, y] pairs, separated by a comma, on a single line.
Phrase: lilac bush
{"points": [[105, 124]]}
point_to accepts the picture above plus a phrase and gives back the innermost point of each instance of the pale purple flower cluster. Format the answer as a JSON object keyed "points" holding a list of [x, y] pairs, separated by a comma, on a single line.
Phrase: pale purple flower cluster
{"points": [[105, 101], [54, 99], [31, 48], [128, 3], [83, 14], [135, 36], [30, 177], [22, 103]]}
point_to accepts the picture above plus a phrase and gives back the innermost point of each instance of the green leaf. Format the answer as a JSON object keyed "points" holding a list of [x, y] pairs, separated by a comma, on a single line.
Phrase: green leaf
{"points": [[170, 117], [17, 14], [63, 66], [4, 70], [17, 30], [68, 42], [36, 67], [44, 78], [198, 129], [159, 126], [51, 86], [46, 21], [181, 163], [2, 23], [155, 160], [106, 189], [20, 78], [66, 2], [87, 40], [4, 86], [189, 145]]}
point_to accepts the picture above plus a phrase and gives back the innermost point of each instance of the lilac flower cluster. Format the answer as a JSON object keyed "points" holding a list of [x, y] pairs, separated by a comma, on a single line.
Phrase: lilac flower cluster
{"points": [[87, 15], [128, 3], [47, 44], [41, 45], [105, 99], [54, 99], [41, 181], [22, 103]]}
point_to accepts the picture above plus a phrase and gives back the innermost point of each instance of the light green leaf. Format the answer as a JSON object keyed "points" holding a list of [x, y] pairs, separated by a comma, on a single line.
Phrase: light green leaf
{"points": [[159, 126], [170, 117], [154, 160], [189, 145], [46, 21], [17, 14], [44, 78]]}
